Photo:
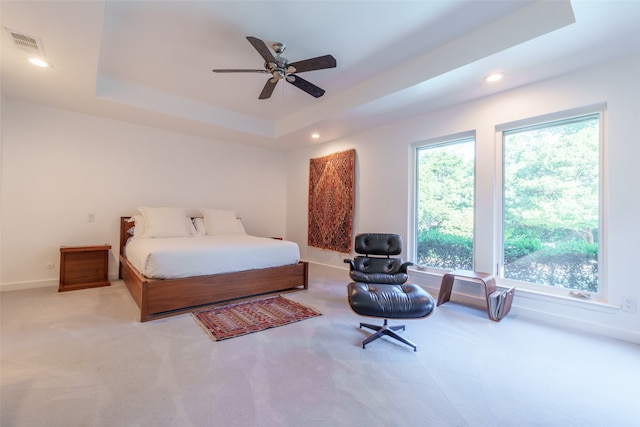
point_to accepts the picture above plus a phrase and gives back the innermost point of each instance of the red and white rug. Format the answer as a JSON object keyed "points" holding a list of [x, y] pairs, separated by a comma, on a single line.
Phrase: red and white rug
{"points": [[234, 320]]}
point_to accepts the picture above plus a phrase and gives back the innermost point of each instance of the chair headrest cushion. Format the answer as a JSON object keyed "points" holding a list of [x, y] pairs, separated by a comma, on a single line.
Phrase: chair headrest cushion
{"points": [[378, 244]]}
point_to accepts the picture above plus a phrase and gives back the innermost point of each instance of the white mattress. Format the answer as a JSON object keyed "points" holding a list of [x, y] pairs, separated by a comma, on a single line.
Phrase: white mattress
{"points": [[178, 257]]}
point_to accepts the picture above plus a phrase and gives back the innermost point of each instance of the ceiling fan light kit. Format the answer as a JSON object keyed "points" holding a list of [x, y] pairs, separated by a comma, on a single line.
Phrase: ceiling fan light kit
{"points": [[280, 68]]}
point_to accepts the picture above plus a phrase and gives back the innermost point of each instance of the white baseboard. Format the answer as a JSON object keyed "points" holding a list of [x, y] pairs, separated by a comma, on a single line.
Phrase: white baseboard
{"points": [[17, 286], [582, 325], [525, 308], [33, 284]]}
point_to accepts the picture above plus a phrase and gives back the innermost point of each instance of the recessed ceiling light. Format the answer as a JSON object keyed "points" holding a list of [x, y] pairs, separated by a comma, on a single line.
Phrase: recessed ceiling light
{"points": [[315, 135], [493, 77], [39, 62]]}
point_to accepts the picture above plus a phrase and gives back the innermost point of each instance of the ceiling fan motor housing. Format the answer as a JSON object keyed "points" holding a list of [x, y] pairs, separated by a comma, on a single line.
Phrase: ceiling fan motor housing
{"points": [[280, 68], [278, 47]]}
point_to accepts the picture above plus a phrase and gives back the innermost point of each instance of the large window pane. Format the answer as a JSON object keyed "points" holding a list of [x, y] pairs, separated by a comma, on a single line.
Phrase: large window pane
{"points": [[551, 203], [444, 205]]}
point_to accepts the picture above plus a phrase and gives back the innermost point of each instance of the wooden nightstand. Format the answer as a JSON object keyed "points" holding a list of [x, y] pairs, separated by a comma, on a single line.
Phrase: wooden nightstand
{"points": [[84, 267]]}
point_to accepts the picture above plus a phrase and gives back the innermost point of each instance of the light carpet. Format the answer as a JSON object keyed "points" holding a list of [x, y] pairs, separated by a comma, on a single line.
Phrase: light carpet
{"points": [[82, 359]]}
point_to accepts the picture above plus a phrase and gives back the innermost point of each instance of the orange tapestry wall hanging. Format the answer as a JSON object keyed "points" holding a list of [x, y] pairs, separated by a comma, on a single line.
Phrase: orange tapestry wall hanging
{"points": [[331, 188]]}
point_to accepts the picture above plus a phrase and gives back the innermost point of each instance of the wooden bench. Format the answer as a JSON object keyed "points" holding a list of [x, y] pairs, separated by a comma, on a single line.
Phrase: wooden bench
{"points": [[487, 281]]}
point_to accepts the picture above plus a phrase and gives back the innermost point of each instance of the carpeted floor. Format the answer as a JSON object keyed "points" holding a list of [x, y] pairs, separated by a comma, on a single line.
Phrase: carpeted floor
{"points": [[81, 359]]}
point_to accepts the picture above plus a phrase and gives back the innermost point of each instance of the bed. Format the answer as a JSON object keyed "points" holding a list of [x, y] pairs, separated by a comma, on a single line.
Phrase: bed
{"points": [[163, 297]]}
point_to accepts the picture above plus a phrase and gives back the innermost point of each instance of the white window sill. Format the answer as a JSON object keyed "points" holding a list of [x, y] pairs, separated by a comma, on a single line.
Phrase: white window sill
{"points": [[586, 304], [432, 278]]}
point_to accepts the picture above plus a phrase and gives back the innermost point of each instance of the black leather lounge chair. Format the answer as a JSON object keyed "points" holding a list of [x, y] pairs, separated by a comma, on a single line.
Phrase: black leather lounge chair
{"points": [[379, 288]]}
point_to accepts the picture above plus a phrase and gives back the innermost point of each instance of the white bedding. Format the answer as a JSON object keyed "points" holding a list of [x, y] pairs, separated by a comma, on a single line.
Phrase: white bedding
{"points": [[178, 257]]}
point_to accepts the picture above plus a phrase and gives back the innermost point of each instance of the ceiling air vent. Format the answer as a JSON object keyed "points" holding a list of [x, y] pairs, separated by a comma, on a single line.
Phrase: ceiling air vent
{"points": [[25, 42]]}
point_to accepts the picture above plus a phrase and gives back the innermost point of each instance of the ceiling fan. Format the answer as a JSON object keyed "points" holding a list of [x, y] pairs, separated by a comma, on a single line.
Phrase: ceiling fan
{"points": [[280, 68]]}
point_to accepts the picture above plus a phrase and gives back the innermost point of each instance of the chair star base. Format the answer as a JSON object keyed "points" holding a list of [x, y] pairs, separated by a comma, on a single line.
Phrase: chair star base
{"points": [[387, 330]]}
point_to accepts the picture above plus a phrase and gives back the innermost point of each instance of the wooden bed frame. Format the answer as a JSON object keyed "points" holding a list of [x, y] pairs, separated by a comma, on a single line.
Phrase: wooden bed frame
{"points": [[158, 298]]}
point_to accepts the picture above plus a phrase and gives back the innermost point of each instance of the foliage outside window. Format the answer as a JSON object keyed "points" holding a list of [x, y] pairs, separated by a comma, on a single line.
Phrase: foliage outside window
{"points": [[551, 203], [445, 205]]}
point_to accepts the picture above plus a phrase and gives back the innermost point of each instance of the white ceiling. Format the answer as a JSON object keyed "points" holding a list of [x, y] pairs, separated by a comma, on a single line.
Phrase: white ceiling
{"points": [[150, 62]]}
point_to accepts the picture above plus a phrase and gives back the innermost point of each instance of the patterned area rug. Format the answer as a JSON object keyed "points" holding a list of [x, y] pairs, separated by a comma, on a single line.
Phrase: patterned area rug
{"points": [[243, 318]]}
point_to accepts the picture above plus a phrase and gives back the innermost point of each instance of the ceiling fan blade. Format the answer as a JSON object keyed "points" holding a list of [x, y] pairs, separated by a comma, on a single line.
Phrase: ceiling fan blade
{"points": [[268, 88], [310, 88], [262, 49], [238, 70], [318, 63]]}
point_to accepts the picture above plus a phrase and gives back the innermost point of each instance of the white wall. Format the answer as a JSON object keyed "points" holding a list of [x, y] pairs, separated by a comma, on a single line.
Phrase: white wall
{"points": [[382, 184], [58, 167]]}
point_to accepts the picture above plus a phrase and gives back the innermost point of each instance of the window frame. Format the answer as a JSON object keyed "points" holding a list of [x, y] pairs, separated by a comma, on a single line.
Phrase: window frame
{"points": [[600, 110], [412, 229]]}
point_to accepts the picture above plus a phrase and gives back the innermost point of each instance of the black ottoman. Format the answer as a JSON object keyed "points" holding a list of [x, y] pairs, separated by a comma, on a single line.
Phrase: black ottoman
{"points": [[403, 301]]}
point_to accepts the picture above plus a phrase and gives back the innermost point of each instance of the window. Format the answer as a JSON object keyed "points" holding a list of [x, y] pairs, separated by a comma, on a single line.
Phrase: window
{"points": [[551, 203], [444, 204]]}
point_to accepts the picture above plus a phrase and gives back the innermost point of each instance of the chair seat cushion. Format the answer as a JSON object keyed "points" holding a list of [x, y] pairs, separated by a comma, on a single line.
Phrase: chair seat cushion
{"points": [[381, 278], [403, 301]]}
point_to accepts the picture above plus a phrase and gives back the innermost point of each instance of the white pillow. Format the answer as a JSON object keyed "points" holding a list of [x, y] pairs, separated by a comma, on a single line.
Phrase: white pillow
{"points": [[220, 221], [138, 228], [241, 227], [165, 222], [198, 223]]}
